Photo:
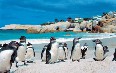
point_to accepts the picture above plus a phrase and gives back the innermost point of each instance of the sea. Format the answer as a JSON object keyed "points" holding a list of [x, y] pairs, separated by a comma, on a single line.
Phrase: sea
{"points": [[7, 36]]}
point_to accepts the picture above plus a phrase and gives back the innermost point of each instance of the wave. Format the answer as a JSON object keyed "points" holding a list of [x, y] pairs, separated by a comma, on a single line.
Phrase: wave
{"points": [[40, 41]]}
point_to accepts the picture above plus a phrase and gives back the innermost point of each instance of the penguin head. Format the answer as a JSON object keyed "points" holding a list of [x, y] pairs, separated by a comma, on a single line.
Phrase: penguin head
{"points": [[97, 41], [14, 44], [85, 44], [65, 45], [0, 45], [61, 44], [52, 40], [76, 40], [29, 45], [5, 45], [22, 39]]}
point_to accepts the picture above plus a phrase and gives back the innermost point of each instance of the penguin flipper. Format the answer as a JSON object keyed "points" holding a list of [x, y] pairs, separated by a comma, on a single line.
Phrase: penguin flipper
{"points": [[72, 51], [33, 52], [41, 55]]}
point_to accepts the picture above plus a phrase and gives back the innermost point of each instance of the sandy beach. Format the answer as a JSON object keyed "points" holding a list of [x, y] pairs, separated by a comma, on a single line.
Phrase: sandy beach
{"points": [[87, 65]]}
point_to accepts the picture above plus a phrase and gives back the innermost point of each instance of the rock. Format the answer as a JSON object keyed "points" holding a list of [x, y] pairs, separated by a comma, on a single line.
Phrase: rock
{"points": [[33, 30], [77, 29], [109, 29]]}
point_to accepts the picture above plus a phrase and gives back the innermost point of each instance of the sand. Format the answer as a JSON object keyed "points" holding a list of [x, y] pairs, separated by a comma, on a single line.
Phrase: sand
{"points": [[87, 65]]}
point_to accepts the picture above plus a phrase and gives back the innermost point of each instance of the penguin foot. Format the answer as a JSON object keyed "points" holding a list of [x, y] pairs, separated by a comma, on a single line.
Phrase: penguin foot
{"points": [[78, 60], [62, 60], [46, 63], [8, 71], [73, 60], [25, 63], [29, 61], [16, 64], [65, 58], [83, 58], [114, 59], [95, 59]]}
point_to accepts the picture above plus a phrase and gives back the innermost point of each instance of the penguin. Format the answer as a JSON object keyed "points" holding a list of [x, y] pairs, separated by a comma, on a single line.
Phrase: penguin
{"points": [[21, 52], [30, 53], [99, 52], [0, 46], [76, 50], [3, 47], [84, 49], [66, 51], [114, 59], [7, 56], [61, 52], [52, 51], [43, 54]]}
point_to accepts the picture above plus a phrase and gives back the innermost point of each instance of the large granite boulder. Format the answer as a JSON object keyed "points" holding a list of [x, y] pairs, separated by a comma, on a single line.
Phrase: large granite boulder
{"points": [[77, 28], [60, 26], [109, 29], [33, 30]]}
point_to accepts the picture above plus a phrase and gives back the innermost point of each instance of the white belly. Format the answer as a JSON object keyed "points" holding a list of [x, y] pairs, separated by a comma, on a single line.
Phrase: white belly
{"points": [[29, 53], [44, 56], [61, 54], [5, 57], [76, 55], [54, 52], [66, 51], [99, 53], [21, 53]]}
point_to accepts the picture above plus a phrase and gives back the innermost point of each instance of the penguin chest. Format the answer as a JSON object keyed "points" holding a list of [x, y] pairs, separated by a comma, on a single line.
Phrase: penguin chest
{"points": [[99, 52], [66, 50], [44, 55], [54, 49], [5, 57], [76, 52], [61, 53], [29, 53], [21, 53]]}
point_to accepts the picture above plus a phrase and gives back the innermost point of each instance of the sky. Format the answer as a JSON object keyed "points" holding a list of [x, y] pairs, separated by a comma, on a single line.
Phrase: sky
{"points": [[40, 11]]}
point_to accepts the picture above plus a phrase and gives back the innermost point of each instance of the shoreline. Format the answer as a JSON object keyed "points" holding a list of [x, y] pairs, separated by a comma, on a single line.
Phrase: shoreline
{"points": [[66, 39]]}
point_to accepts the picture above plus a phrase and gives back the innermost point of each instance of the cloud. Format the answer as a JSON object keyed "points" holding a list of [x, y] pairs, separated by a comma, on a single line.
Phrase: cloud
{"points": [[27, 10], [57, 5]]}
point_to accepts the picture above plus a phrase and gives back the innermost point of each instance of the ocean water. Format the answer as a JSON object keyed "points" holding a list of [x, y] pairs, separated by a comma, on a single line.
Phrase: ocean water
{"points": [[15, 35], [39, 40]]}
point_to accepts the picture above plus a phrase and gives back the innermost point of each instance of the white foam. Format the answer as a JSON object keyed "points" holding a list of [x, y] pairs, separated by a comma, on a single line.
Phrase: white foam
{"points": [[40, 41]]}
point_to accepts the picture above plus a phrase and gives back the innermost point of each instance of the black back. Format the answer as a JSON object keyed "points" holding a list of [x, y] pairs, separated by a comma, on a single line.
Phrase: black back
{"points": [[115, 53], [48, 55]]}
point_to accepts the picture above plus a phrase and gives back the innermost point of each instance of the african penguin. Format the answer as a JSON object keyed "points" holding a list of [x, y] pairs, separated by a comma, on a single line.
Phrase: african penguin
{"points": [[61, 52], [76, 50], [84, 49], [21, 51], [8, 54], [52, 51], [30, 53]]}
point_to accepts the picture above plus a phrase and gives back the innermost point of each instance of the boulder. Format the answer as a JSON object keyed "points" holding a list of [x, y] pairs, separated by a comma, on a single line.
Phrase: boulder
{"points": [[109, 29], [33, 30], [77, 29]]}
